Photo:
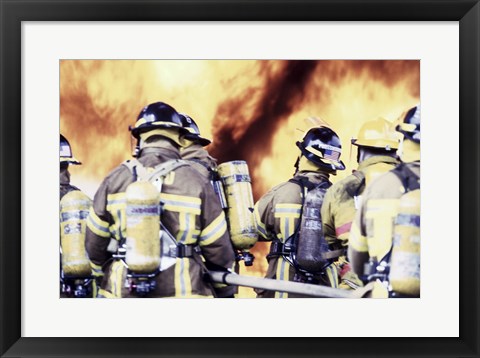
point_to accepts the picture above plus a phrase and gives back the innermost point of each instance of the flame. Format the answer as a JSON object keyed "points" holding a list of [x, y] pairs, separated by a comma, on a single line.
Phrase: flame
{"points": [[252, 110]]}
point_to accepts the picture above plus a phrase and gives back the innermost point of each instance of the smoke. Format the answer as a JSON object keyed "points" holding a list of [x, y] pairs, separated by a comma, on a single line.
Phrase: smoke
{"points": [[252, 110], [246, 125], [250, 139]]}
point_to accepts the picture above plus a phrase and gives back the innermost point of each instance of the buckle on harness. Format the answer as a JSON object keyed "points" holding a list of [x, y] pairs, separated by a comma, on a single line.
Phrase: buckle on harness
{"points": [[277, 248], [182, 250]]}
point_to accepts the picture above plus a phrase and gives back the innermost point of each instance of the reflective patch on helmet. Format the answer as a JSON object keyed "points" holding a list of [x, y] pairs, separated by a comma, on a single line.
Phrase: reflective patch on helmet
{"points": [[65, 150], [331, 153]]}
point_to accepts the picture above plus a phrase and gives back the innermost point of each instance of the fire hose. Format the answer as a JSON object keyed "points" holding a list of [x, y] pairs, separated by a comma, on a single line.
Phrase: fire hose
{"points": [[230, 278]]}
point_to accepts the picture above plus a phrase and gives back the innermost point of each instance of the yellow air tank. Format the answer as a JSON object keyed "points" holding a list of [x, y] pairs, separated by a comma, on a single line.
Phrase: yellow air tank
{"points": [[143, 228], [238, 190], [74, 208], [405, 260]]}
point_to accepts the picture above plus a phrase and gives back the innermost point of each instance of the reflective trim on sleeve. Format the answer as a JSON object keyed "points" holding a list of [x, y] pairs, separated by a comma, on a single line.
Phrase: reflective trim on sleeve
{"points": [[96, 269], [116, 206], [97, 225], [214, 231], [356, 240], [343, 229], [260, 226], [181, 203], [117, 199]]}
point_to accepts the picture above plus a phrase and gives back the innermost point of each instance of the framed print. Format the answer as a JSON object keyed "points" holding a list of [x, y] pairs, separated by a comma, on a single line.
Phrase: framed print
{"points": [[41, 42]]}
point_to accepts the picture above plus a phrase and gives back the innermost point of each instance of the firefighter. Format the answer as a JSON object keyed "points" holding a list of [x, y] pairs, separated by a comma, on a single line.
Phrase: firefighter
{"points": [[194, 151], [279, 212], [377, 143], [75, 278], [193, 226], [193, 148], [384, 243]]}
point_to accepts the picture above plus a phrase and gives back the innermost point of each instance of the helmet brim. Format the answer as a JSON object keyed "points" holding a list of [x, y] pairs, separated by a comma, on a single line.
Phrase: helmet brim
{"points": [[136, 131], [373, 143], [197, 139], [71, 160]]}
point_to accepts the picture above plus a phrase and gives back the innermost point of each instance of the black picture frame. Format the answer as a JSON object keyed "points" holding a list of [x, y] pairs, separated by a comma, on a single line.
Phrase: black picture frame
{"points": [[13, 12]]}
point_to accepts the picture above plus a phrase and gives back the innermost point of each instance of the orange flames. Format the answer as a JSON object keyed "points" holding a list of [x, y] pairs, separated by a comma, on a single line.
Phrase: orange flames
{"points": [[253, 110]]}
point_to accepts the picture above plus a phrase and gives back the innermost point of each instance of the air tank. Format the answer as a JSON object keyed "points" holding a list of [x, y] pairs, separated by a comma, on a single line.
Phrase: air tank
{"points": [[405, 258], [238, 191], [142, 227], [74, 208], [311, 243]]}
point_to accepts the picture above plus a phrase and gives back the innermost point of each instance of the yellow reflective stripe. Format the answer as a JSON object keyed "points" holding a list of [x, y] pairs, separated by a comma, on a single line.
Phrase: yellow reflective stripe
{"points": [[283, 271], [116, 206], [183, 283], [187, 229], [116, 200], [332, 275], [214, 231], [261, 229], [181, 203], [357, 241], [97, 225], [96, 269], [287, 213], [104, 293], [94, 289], [381, 213], [116, 279], [289, 210]]}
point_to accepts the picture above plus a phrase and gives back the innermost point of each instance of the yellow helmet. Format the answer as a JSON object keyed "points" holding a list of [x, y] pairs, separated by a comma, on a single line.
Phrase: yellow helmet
{"points": [[378, 133]]}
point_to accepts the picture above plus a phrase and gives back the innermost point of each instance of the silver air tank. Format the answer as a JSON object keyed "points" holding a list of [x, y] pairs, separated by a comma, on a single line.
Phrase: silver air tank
{"points": [[311, 244]]}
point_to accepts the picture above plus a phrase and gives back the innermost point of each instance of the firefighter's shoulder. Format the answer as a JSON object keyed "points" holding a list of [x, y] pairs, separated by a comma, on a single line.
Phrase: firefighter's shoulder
{"points": [[386, 185], [345, 188], [286, 192]]}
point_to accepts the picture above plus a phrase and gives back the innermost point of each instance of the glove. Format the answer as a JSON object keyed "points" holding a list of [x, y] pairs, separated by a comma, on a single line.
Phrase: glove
{"points": [[348, 279]]}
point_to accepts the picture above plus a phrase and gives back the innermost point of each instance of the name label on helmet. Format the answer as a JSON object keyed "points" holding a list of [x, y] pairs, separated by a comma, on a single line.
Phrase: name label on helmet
{"points": [[65, 150]]}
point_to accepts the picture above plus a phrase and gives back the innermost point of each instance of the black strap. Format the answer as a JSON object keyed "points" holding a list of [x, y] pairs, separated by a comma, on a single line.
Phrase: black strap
{"points": [[410, 180], [186, 250], [361, 185]]}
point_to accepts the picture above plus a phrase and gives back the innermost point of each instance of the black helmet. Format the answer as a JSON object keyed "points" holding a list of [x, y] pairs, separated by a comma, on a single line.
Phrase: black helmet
{"points": [[156, 115], [322, 146], [193, 131], [66, 155], [410, 124]]}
